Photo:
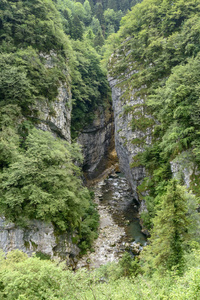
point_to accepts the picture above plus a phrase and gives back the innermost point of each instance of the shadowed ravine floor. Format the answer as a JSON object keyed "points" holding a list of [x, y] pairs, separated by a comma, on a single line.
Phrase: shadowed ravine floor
{"points": [[119, 225]]}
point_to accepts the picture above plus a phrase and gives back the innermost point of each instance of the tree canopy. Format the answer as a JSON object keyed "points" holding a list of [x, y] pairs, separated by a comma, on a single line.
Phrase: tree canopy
{"points": [[155, 58]]}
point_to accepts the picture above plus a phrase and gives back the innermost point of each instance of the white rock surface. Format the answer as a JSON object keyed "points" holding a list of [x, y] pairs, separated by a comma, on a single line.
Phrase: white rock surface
{"points": [[36, 237]]}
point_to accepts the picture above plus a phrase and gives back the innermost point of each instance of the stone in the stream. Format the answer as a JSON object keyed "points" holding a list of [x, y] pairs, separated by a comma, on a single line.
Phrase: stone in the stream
{"points": [[114, 175], [135, 248]]}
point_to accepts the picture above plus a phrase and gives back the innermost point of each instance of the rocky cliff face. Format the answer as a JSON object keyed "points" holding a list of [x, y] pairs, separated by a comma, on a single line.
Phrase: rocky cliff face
{"points": [[38, 237], [55, 116], [186, 170], [126, 139], [97, 142]]}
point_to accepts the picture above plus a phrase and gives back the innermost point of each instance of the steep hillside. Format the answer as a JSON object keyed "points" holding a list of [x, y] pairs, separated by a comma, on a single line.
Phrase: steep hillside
{"points": [[34, 67], [39, 177], [154, 77]]}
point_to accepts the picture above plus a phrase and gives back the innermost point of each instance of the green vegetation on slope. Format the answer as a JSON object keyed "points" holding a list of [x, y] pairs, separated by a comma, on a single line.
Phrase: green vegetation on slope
{"points": [[156, 59], [39, 177], [27, 31], [175, 227], [30, 31], [89, 84], [159, 39]]}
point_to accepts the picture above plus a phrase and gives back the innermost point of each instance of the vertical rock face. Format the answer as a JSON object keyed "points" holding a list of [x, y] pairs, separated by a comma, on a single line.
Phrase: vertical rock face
{"points": [[37, 237], [97, 142], [55, 116], [126, 139]]}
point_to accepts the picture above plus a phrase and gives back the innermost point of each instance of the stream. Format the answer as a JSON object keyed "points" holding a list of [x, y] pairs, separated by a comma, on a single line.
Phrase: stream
{"points": [[119, 228]]}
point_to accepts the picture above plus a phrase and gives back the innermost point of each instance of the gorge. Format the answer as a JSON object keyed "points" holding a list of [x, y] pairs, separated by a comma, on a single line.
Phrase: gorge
{"points": [[100, 160], [99, 149]]}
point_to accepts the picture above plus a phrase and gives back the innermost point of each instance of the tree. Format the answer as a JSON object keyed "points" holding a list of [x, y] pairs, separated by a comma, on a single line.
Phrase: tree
{"points": [[95, 25], [99, 40], [99, 13], [67, 22], [112, 20], [77, 28], [10, 119], [176, 106], [170, 231], [88, 13], [26, 23]]}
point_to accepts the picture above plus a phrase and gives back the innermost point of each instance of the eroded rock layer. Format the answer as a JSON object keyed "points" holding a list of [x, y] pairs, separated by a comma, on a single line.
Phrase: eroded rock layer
{"points": [[97, 142], [125, 137], [38, 237]]}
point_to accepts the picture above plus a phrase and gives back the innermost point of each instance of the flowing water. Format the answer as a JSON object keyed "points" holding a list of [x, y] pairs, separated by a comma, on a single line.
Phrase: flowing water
{"points": [[120, 229], [117, 195]]}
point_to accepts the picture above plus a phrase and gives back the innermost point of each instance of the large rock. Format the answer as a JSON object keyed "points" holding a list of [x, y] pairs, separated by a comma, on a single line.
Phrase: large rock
{"points": [[37, 237]]}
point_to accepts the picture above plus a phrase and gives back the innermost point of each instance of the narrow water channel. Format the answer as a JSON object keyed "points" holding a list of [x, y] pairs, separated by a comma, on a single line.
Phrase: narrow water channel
{"points": [[119, 229], [117, 196]]}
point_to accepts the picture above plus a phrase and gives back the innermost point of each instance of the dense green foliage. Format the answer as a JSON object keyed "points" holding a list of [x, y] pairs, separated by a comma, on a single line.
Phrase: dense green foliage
{"points": [[36, 23], [28, 31], [112, 4], [172, 229], [25, 79], [19, 280], [39, 177], [159, 39], [156, 61]]}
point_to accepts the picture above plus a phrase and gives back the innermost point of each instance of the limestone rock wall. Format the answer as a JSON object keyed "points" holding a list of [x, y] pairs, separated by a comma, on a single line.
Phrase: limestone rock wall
{"points": [[37, 237], [97, 142], [125, 137], [55, 116]]}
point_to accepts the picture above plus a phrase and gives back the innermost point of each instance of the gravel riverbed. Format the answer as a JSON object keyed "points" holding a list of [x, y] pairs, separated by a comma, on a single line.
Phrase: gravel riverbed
{"points": [[119, 228]]}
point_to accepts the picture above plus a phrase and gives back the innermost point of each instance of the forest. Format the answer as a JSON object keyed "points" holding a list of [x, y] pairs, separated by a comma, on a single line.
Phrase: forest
{"points": [[151, 50]]}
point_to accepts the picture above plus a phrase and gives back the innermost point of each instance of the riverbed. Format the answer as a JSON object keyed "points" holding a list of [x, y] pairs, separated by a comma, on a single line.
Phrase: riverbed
{"points": [[119, 228]]}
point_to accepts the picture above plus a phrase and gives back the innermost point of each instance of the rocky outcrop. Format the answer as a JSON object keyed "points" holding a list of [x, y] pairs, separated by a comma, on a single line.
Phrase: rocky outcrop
{"points": [[55, 116], [185, 169], [127, 140], [97, 142], [38, 237]]}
